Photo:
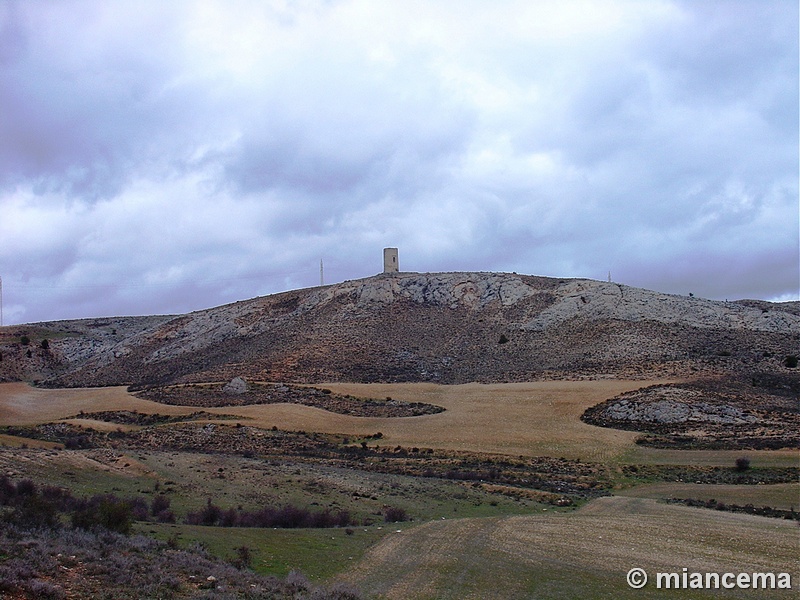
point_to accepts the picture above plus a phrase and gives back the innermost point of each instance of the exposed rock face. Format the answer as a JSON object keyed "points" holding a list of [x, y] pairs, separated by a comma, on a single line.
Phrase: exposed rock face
{"points": [[236, 386], [673, 411], [440, 327], [720, 413]]}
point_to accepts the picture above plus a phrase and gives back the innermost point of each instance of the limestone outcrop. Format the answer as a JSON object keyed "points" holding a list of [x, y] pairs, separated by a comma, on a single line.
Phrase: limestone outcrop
{"points": [[443, 327]]}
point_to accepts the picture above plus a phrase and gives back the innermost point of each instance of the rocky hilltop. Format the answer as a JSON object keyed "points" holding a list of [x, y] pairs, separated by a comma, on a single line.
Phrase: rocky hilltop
{"points": [[444, 327]]}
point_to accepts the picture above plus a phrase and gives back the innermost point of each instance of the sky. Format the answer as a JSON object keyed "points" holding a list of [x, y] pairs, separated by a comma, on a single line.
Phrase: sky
{"points": [[164, 157]]}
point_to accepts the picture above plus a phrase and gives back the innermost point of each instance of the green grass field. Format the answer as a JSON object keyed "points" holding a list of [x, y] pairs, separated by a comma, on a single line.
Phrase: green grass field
{"points": [[319, 554]]}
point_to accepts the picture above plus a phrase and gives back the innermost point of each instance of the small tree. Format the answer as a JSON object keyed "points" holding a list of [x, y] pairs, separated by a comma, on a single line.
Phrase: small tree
{"points": [[45, 344]]}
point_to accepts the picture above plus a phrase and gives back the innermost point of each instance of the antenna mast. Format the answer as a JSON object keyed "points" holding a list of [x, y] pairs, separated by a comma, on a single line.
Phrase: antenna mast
{"points": [[1, 301], [321, 276]]}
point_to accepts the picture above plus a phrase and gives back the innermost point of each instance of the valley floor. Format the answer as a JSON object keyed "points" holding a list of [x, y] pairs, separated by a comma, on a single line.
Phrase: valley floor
{"points": [[468, 539]]}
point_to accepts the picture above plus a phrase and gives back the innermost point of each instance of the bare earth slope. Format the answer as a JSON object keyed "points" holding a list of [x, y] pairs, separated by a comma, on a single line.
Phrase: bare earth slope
{"points": [[441, 327]]}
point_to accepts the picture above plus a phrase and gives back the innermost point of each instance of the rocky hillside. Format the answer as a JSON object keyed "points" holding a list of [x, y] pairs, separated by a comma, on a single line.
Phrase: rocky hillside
{"points": [[445, 327]]}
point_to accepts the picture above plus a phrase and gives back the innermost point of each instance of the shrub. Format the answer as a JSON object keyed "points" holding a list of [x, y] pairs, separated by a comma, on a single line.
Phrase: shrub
{"points": [[503, 339], [166, 516], [77, 442], [790, 361], [7, 490], [393, 514], [108, 512], [229, 518], [24, 340], [287, 517], [45, 590], [26, 487], [742, 464], [60, 497], [139, 510], [34, 512], [45, 344], [209, 515], [160, 504], [243, 558]]}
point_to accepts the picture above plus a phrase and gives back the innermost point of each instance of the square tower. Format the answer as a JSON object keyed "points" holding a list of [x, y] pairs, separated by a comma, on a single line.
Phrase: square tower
{"points": [[390, 262]]}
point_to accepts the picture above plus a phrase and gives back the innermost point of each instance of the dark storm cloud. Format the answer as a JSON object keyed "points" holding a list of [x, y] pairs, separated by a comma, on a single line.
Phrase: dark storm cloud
{"points": [[167, 157]]}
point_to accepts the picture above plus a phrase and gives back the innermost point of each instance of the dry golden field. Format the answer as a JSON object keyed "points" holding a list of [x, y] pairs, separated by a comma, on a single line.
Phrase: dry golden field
{"points": [[530, 419], [534, 419]]}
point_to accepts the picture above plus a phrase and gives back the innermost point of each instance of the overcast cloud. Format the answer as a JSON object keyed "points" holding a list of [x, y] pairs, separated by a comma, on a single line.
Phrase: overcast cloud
{"points": [[162, 157]]}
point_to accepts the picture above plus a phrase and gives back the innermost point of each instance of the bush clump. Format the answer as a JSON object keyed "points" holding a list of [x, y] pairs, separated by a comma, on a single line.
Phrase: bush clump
{"points": [[104, 511], [286, 517], [394, 514]]}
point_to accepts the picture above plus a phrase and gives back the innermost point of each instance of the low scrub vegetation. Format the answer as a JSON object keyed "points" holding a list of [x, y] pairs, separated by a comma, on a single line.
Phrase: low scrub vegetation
{"points": [[31, 506], [711, 475], [55, 564], [56, 546], [215, 394], [764, 511], [288, 517]]}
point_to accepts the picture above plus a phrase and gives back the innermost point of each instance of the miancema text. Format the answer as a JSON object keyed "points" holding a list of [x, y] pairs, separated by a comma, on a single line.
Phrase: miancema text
{"points": [[714, 581]]}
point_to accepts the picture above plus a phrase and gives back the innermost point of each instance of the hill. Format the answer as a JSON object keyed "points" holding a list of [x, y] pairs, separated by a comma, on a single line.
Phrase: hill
{"points": [[440, 327]]}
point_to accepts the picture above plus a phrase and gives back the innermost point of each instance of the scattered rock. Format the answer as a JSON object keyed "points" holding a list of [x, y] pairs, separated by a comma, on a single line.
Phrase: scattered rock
{"points": [[236, 386]]}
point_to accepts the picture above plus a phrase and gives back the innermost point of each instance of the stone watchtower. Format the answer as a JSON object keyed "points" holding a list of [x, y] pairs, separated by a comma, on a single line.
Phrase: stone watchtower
{"points": [[390, 263]]}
